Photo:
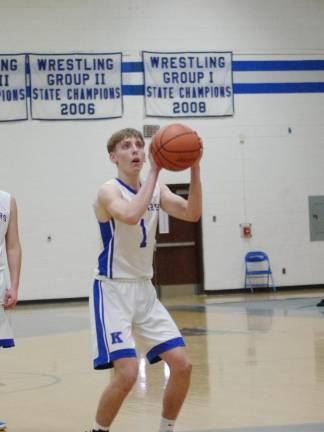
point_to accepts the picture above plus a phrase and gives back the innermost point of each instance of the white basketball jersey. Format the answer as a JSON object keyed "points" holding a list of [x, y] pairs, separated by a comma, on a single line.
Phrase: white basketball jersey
{"points": [[127, 250], [4, 221]]}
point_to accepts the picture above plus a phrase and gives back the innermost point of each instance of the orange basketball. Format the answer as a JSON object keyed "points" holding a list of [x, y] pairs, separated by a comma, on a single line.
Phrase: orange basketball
{"points": [[175, 147]]}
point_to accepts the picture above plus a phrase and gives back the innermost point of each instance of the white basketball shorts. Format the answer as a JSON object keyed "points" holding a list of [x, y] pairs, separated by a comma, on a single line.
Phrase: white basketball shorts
{"points": [[117, 308]]}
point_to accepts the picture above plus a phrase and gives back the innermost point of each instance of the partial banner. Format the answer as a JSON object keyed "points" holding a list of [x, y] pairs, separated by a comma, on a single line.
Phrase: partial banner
{"points": [[13, 97], [188, 84], [75, 86]]}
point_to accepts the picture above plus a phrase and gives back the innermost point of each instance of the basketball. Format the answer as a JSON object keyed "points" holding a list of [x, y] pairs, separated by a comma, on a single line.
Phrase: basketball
{"points": [[175, 147]]}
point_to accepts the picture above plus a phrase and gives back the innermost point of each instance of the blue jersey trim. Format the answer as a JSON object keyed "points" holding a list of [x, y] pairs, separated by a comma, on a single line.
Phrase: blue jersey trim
{"points": [[126, 186], [153, 355], [103, 257], [123, 353], [107, 230], [103, 351], [112, 250], [7, 343]]}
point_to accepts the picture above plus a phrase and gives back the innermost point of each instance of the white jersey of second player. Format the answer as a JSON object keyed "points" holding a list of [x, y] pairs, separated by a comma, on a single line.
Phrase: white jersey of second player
{"points": [[127, 250]]}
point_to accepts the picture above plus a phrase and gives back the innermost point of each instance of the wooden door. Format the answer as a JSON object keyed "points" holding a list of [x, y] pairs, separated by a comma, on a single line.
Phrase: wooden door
{"points": [[178, 256]]}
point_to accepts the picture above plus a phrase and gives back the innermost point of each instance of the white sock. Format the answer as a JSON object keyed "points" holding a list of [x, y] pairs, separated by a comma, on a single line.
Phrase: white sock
{"points": [[96, 426], [167, 425]]}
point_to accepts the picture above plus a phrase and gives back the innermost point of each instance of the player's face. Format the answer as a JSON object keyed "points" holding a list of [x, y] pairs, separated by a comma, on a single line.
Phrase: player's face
{"points": [[129, 153]]}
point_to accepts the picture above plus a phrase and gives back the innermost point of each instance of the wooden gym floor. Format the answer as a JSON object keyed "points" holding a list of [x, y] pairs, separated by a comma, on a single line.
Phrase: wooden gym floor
{"points": [[258, 367]]}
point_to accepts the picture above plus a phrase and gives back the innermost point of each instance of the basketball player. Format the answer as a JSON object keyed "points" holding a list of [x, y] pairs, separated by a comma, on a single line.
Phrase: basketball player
{"points": [[9, 239], [123, 299]]}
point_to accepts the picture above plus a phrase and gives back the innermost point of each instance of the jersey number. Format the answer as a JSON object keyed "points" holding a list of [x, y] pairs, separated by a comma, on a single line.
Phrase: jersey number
{"points": [[143, 242]]}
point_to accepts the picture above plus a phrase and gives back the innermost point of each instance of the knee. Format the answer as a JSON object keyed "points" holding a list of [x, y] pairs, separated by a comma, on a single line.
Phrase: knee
{"points": [[186, 368], [183, 368], [126, 377]]}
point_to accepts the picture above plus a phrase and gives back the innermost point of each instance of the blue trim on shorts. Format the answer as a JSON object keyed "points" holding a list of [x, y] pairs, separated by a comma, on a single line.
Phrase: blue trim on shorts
{"points": [[7, 343], [153, 355], [103, 352], [119, 354]]}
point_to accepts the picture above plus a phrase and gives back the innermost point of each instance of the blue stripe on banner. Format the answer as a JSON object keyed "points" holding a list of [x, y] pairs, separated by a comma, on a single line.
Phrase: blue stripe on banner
{"points": [[137, 66], [306, 87], [277, 65]]}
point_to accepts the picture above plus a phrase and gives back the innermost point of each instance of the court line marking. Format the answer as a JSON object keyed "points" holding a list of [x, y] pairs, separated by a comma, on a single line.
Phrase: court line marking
{"points": [[307, 427], [55, 380]]}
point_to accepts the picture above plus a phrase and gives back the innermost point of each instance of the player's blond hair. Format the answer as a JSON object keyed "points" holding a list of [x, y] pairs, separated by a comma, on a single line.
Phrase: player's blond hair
{"points": [[118, 136]]}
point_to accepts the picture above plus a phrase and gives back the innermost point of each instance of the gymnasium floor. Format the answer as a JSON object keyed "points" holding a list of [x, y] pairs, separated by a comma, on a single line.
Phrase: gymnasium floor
{"points": [[258, 367]]}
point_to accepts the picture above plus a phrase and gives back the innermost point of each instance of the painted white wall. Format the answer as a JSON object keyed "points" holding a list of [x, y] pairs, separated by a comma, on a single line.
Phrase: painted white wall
{"points": [[55, 168]]}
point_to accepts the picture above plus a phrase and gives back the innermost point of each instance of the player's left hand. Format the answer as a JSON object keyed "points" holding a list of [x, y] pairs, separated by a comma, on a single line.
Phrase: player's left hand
{"points": [[153, 164], [10, 298]]}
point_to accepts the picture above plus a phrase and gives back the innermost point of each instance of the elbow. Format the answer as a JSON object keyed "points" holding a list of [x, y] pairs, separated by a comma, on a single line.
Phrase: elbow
{"points": [[131, 220], [14, 250], [196, 218], [195, 214], [193, 217]]}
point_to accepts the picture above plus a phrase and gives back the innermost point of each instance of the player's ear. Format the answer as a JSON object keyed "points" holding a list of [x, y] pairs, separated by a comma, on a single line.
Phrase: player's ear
{"points": [[113, 157]]}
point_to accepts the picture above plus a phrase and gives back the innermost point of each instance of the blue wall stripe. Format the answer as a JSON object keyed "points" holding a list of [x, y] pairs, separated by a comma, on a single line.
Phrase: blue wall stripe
{"points": [[133, 90], [308, 87], [132, 66], [277, 65], [247, 88], [250, 65]]}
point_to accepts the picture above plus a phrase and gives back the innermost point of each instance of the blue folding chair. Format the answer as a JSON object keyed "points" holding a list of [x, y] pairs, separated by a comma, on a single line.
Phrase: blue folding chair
{"points": [[258, 272]]}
